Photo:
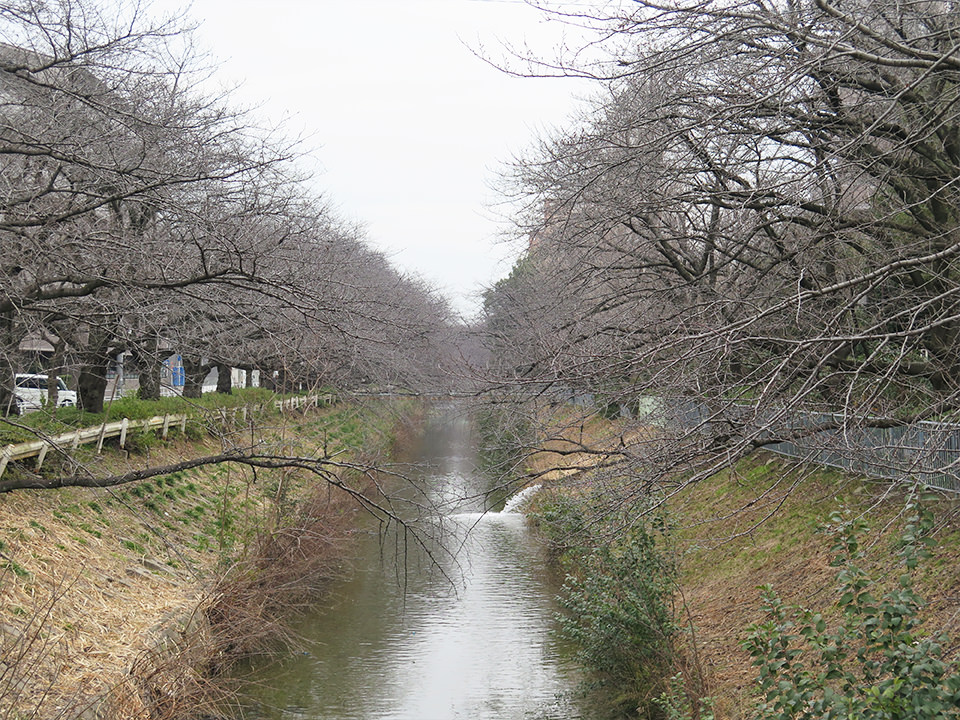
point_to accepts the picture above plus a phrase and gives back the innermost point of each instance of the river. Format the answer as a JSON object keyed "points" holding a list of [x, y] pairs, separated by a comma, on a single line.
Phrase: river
{"points": [[461, 628]]}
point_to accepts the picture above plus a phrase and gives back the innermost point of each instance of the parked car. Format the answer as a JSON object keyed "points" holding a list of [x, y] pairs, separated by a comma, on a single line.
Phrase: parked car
{"points": [[31, 392]]}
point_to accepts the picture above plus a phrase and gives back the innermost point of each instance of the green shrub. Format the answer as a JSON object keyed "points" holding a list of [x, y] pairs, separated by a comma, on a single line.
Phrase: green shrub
{"points": [[195, 431], [560, 519], [619, 614], [617, 597], [676, 704], [875, 664], [142, 441]]}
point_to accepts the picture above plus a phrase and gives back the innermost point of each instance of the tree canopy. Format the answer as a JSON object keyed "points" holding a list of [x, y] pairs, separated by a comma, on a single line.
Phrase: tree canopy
{"points": [[140, 216], [753, 224]]}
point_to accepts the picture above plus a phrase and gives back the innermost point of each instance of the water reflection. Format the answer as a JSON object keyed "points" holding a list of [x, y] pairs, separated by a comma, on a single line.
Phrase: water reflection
{"points": [[406, 643]]}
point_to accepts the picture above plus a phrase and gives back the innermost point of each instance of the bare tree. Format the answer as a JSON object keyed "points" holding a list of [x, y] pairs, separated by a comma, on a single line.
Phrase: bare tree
{"points": [[107, 153], [757, 220], [138, 216]]}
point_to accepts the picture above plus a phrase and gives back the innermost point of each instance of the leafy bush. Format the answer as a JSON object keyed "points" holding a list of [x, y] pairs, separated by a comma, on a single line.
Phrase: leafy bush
{"points": [[675, 703], [617, 597], [875, 664], [559, 516], [620, 615]]}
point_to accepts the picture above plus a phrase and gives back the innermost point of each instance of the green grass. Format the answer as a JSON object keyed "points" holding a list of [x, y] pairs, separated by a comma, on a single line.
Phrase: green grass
{"points": [[135, 547], [15, 568], [86, 528], [747, 502], [68, 418]]}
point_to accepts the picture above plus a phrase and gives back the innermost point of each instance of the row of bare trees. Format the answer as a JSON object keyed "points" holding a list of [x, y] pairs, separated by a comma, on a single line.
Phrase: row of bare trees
{"points": [[757, 216], [139, 216]]}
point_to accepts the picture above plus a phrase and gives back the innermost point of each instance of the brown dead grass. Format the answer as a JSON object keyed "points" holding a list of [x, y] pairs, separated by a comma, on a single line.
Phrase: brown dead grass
{"points": [[78, 605], [577, 444], [105, 592]]}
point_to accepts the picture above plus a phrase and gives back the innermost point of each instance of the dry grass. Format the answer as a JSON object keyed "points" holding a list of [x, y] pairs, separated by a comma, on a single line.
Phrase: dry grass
{"points": [[577, 444], [77, 609], [760, 524], [122, 602]]}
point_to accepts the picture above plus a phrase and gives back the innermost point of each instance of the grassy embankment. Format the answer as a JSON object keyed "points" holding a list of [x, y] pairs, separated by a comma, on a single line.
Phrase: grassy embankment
{"points": [[761, 522], [142, 593]]}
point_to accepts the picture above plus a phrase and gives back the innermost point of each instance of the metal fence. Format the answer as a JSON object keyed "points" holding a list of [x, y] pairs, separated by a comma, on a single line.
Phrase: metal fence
{"points": [[924, 451]]}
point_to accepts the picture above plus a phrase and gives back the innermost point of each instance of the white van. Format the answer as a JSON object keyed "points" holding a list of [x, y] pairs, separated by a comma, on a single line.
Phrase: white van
{"points": [[31, 392]]}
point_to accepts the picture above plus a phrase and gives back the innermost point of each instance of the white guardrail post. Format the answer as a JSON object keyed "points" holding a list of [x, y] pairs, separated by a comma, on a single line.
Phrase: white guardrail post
{"points": [[120, 428], [303, 401], [81, 436]]}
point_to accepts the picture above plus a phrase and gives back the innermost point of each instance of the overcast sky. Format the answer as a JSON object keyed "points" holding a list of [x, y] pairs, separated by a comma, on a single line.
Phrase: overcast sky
{"points": [[406, 124]]}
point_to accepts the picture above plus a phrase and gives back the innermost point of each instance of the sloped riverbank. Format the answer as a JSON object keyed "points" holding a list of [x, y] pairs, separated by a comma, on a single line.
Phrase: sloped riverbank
{"points": [[128, 601], [671, 583]]}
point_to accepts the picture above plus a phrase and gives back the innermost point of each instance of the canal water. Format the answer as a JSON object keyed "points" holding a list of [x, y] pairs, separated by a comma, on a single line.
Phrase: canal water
{"points": [[462, 627]]}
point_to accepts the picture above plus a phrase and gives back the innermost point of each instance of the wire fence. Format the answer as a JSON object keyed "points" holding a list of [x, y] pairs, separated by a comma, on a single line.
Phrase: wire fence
{"points": [[924, 451]]}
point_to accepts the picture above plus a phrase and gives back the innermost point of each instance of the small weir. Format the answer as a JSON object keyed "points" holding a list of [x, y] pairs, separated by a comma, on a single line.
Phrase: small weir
{"points": [[515, 502], [461, 629]]}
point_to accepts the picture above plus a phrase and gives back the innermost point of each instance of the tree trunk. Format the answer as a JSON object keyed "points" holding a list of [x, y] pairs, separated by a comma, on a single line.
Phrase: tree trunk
{"points": [[267, 380], [8, 400], [194, 371], [224, 379], [92, 384], [53, 373], [53, 389], [148, 368]]}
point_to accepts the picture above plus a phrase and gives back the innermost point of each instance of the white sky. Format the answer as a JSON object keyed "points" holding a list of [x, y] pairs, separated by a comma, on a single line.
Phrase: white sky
{"points": [[407, 125]]}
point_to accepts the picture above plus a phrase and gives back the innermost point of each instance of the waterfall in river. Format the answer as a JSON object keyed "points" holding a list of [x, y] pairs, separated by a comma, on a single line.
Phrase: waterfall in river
{"points": [[514, 502]]}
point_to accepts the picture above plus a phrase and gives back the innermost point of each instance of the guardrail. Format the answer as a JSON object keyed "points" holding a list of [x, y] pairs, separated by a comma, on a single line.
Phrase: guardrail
{"points": [[82, 436], [120, 428], [304, 401]]}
